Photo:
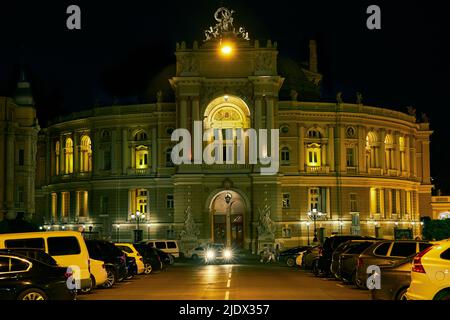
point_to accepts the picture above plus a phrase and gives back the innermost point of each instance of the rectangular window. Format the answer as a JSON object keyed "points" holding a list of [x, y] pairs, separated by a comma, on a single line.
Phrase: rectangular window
{"points": [[408, 202], [82, 203], [169, 201], [63, 246], [350, 157], [287, 232], [20, 193], [394, 200], [142, 201], [34, 243], [107, 160], [314, 199], [21, 157], [104, 205], [353, 203], [286, 200], [65, 204]]}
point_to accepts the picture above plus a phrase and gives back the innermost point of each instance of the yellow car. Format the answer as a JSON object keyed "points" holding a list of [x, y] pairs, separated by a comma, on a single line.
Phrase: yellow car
{"points": [[430, 276], [131, 251], [98, 274]]}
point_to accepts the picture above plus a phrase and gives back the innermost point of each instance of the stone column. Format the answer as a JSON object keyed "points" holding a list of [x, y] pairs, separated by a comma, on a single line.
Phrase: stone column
{"points": [[154, 150], [426, 162], [361, 149], [258, 113], [324, 160], [331, 159], [125, 151], [269, 113], [397, 153], [77, 152], [195, 117], [10, 168], [301, 148], [183, 113], [382, 153], [413, 157], [407, 157], [114, 162], [62, 155]]}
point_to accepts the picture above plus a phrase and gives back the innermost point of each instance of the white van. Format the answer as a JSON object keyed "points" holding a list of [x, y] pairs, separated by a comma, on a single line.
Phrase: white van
{"points": [[167, 246], [66, 247]]}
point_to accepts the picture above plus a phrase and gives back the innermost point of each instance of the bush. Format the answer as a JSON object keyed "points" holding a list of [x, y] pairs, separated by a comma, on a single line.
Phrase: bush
{"points": [[436, 229]]}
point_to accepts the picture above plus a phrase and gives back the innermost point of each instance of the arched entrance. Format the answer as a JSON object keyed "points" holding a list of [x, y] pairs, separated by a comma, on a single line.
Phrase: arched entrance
{"points": [[227, 211]]}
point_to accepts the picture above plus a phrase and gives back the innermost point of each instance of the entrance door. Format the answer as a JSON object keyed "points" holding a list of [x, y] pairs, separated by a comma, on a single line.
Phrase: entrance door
{"points": [[220, 229], [237, 231]]}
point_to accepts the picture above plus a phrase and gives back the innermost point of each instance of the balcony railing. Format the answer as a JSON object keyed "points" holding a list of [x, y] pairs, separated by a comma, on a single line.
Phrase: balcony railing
{"points": [[321, 169], [352, 170], [375, 171], [138, 172]]}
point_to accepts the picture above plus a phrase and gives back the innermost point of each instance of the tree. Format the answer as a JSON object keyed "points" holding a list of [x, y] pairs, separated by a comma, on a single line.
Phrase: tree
{"points": [[436, 229]]}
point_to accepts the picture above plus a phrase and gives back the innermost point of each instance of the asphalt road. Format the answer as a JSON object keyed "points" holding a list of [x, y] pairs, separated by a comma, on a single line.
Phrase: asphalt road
{"points": [[250, 281]]}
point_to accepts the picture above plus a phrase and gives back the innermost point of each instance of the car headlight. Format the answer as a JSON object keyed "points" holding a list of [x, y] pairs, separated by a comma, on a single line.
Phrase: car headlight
{"points": [[210, 254], [228, 254]]}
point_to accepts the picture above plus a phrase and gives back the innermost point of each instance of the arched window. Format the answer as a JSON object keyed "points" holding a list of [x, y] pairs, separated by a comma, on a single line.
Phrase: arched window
{"points": [[141, 136], [314, 134], [285, 156], [141, 157], [389, 150], [313, 152], [371, 149], [169, 162], [68, 156], [86, 154], [106, 135], [57, 157]]}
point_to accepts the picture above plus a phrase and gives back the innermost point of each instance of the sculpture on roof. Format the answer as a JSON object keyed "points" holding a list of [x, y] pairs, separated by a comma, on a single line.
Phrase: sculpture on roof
{"points": [[359, 98], [224, 18]]}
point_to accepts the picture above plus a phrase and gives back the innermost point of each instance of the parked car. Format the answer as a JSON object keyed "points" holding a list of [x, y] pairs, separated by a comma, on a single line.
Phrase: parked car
{"points": [[386, 252], [113, 258], [430, 278], [348, 259], [323, 265], [196, 253], [335, 258], [394, 281], [152, 260], [25, 278], [131, 251], [66, 247], [168, 246], [308, 257], [166, 258], [289, 256]]}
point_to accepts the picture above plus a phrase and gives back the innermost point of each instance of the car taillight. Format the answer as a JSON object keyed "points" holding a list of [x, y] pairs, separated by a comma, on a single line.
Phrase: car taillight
{"points": [[360, 263], [159, 259], [417, 263], [68, 275], [320, 252], [103, 266]]}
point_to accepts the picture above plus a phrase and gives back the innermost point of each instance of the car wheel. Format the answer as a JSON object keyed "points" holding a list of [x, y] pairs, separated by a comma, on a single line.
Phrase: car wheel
{"points": [[110, 278], [401, 295], [290, 262], [32, 294], [443, 295], [91, 286], [171, 260], [148, 268], [315, 268], [194, 257]]}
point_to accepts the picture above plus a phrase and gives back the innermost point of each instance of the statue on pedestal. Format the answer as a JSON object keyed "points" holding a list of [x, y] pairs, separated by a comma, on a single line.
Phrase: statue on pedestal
{"points": [[266, 226]]}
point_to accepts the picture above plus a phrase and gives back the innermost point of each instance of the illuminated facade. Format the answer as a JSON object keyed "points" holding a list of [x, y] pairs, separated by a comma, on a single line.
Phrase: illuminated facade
{"points": [[366, 169]]}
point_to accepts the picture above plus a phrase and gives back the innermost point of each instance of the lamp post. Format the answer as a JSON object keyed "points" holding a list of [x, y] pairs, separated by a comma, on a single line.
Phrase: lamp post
{"points": [[138, 216], [314, 215], [307, 231], [228, 198], [118, 232]]}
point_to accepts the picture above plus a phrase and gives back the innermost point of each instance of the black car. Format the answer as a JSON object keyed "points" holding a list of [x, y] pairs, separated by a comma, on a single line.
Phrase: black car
{"points": [[114, 259], [25, 278], [395, 279], [166, 258], [348, 260], [326, 253], [131, 267], [152, 261], [288, 256]]}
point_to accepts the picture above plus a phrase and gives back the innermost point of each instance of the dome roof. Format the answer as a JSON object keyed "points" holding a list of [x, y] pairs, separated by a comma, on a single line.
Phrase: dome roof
{"points": [[23, 95]]}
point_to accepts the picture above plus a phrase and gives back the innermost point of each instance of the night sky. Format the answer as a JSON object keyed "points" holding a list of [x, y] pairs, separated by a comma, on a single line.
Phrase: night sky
{"points": [[125, 49]]}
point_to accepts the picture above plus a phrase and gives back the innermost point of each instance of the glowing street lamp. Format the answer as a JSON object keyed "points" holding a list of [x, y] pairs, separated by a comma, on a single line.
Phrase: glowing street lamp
{"points": [[138, 216], [315, 215]]}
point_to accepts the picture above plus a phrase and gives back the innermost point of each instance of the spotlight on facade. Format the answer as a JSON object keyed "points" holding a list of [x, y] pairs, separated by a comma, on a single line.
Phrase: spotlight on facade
{"points": [[226, 49]]}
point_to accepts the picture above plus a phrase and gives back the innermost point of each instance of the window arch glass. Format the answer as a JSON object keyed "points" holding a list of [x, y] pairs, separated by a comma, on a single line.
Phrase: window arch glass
{"points": [[285, 155], [86, 154], [141, 136], [68, 155], [142, 157], [313, 153], [57, 157]]}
